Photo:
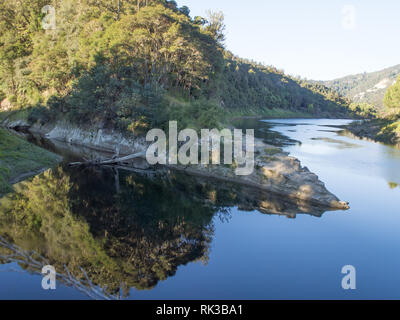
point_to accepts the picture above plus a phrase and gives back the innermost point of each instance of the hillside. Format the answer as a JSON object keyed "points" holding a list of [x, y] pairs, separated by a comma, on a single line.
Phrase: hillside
{"points": [[386, 127], [366, 87], [133, 65]]}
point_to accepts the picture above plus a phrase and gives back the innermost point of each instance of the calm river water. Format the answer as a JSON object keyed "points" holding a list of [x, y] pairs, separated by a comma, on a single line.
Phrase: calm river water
{"points": [[121, 234]]}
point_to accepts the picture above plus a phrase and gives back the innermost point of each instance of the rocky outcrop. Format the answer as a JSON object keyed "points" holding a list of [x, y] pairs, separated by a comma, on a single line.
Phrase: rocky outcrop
{"points": [[110, 141], [279, 174], [15, 123]]}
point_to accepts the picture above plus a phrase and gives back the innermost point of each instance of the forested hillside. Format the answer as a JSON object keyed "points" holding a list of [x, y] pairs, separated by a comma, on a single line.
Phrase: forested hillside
{"points": [[366, 87], [386, 128], [134, 64]]}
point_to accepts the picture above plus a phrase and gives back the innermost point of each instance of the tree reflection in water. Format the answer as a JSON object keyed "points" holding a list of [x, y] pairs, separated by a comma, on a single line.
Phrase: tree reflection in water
{"points": [[106, 230]]}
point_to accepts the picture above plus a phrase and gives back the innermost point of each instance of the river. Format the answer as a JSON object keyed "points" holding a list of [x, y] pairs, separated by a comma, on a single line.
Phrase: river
{"points": [[162, 235]]}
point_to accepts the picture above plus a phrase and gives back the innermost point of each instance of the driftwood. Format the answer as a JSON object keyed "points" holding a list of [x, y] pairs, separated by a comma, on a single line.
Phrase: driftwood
{"points": [[114, 161]]}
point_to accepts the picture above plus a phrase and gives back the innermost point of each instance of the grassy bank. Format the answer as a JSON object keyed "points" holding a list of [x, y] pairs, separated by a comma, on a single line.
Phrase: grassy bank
{"points": [[268, 113], [15, 115], [279, 113], [18, 157]]}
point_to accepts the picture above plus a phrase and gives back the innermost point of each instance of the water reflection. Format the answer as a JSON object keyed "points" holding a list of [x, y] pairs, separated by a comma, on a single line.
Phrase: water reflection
{"points": [[334, 144], [106, 230], [393, 185], [264, 130], [339, 143]]}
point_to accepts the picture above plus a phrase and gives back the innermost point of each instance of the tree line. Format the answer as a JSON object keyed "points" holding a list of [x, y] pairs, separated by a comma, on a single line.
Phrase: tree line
{"points": [[133, 64]]}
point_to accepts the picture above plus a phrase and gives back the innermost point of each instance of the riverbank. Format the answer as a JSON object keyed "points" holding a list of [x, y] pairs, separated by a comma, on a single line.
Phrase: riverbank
{"points": [[378, 130], [274, 172], [20, 159], [145, 213], [278, 113], [264, 113]]}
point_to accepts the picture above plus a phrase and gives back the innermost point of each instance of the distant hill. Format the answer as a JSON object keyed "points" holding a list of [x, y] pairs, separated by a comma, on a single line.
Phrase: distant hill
{"points": [[366, 87]]}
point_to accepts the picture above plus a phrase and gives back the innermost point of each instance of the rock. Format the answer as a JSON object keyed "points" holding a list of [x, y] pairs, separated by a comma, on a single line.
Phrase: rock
{"points": [[283, 176], [99, 139]]}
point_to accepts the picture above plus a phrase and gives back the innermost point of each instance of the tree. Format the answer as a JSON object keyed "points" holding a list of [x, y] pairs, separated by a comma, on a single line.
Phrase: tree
{"points": [[392, 96], [185, 10], [216, 25]]}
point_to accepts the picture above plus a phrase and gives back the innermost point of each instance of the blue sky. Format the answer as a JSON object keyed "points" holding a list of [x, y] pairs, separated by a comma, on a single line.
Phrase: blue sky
{"points": [[311, 38]]}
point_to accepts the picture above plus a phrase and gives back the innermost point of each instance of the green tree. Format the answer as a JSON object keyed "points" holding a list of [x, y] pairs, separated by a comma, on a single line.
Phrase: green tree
{"points": [[392, 96]]}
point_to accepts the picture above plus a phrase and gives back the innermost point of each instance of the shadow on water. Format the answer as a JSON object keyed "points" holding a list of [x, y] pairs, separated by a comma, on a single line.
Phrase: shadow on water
{"points": [[264, 130]]}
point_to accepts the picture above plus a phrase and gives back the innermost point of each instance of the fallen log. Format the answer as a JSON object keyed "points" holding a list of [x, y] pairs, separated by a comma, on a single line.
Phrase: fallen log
{"points": [[110, 161]]}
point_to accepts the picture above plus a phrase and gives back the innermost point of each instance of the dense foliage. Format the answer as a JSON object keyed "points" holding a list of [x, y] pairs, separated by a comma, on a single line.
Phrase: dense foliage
{"points": [[386, 128], [392, 103], [364, 109], [392, 96], [246, 84], [135, 64]]}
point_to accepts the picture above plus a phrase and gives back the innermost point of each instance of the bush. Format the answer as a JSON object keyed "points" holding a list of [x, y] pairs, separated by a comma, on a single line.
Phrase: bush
{"points": [[195, 114]]}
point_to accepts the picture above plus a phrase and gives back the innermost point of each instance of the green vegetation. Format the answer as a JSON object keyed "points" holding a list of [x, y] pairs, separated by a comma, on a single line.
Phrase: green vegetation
{"points": [[390, 131], [364, 110], [393, 185], [125, 230], [132, 65], [272, 151], [366, 88], [249, 88], [268, 113], [392, 97], [132, 236], [20, 157], [387, 127], [15, 115]]}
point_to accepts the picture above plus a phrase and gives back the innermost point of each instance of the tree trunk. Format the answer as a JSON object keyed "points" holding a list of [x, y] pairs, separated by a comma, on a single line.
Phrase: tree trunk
{"points": [[111, 161], [119, 9]]}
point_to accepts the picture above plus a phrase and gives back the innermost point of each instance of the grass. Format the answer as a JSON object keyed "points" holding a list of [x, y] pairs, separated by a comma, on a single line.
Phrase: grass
{"points": [[269, 113], [272, 151], [185, 109], [14, 115], [20, 157]]}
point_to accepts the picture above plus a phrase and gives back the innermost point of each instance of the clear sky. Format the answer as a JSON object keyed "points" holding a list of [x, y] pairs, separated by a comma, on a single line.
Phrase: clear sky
{"points": [[316, 39]]}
